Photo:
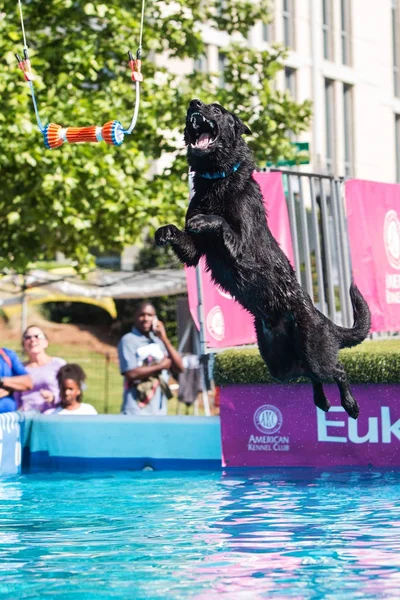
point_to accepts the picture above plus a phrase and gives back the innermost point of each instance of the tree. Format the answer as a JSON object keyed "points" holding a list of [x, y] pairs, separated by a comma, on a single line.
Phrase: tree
{"points": [[93, 196]]}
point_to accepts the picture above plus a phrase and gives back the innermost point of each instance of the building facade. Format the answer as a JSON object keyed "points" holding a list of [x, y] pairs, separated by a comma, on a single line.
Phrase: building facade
{"points": [[344, 55]]}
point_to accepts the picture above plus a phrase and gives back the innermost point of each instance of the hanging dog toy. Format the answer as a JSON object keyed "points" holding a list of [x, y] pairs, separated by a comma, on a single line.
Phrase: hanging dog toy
{"points": [[112, 132]]}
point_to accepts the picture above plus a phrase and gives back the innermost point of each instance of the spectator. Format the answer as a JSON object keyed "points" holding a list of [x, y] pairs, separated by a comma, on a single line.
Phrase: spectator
{"points": [[43, 370], [71, 378], [13, 378], [145, 357]]}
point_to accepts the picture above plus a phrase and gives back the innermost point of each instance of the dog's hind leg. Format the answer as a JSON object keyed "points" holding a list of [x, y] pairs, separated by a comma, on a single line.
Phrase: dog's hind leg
{"points": [[347, 399], [320, 399]]}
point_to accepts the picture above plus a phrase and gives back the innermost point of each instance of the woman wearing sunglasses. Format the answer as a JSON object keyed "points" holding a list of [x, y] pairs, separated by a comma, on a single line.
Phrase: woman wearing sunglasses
{"points": [[43, 370]]}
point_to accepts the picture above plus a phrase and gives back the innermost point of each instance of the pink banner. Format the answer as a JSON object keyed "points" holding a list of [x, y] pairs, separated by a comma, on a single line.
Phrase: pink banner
{"points": [[226, 322], [374, 237], [278, 425]]}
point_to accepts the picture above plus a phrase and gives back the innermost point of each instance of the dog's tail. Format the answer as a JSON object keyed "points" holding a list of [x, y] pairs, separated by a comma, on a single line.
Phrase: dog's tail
{"points": [[362, 320]]}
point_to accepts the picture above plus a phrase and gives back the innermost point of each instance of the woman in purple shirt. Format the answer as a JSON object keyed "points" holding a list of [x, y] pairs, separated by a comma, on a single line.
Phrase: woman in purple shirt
{"points": [[43, 370]]}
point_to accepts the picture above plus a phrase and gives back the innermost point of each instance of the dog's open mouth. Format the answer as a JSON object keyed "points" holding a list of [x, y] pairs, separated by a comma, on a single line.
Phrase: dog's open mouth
{"points": [[203, 133]]}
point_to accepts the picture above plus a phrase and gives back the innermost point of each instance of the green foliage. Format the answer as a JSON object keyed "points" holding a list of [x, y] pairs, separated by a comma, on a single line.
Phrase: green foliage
{"points": [[89, 196], [371, 362], [79, 313]]}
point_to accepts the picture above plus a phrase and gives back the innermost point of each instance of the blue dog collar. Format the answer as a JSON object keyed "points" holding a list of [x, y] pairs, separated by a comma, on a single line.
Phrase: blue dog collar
{"points": [[219, 175]]}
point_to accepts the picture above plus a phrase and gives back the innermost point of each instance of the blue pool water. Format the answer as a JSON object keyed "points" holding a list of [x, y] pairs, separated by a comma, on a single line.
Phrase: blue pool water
{"points": [[270, 534]]}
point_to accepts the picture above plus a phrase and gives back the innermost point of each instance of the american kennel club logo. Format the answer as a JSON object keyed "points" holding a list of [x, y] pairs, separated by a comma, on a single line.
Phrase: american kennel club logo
{"points": [[268, 421], [391, 239]]}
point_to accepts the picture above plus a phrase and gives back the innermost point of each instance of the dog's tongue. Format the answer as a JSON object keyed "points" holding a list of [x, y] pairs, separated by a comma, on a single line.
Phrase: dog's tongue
{"points": [[204, 140]]}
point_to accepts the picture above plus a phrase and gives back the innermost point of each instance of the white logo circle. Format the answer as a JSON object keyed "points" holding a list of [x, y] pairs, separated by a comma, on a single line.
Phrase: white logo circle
{"points": [[391, 238], [216, 323], [268, 419]]}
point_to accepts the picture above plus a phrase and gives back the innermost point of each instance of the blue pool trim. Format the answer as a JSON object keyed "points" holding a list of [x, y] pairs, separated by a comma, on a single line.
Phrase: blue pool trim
{"points": [[119, 442], [42, 461]]}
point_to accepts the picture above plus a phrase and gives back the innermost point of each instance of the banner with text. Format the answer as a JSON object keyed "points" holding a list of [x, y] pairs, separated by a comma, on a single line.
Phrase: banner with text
{"points": [[279, 425], [373, 214], [226, 322]]}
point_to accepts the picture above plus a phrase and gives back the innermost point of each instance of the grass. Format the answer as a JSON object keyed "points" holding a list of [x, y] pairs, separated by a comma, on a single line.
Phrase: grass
{"points": [[376, 361], [385, 346]]}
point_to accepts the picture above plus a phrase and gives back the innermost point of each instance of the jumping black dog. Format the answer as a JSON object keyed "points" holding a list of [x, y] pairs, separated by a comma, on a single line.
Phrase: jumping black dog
{"points": [[226, 223]]}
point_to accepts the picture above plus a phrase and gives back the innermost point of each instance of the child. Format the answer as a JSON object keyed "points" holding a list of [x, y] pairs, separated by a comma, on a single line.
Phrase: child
{"points": [[70, 379]]}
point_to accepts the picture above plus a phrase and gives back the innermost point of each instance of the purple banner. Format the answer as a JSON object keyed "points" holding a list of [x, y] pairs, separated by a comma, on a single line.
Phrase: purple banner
{"points": [[278, 425]]}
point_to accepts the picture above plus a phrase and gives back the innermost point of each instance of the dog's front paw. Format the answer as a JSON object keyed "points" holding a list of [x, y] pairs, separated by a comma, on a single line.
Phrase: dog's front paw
{"points": [[166, 235], [203, 224]]}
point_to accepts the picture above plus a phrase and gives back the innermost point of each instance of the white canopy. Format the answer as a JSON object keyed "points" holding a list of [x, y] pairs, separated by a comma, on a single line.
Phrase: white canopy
{"points": [[99, 284]]}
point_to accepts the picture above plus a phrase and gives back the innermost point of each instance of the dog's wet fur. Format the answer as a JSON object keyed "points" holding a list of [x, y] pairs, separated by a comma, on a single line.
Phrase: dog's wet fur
{"points": [[226, 223]]}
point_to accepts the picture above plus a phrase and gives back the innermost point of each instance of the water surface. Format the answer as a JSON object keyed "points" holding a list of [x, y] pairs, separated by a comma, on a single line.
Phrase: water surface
{"points": [[260, 534]]}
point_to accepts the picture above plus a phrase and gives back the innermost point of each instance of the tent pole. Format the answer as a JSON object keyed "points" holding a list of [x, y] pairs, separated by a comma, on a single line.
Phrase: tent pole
{"points": [[202, 333], [203, 344], [24, 308]]}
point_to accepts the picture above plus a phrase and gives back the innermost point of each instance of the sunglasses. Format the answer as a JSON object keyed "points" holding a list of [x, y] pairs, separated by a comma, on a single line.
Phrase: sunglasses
{"points": [[35, 336]]}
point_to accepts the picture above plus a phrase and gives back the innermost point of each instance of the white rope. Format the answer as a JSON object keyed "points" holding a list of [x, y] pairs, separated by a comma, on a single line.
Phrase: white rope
{"points": [[22, 25], [141, 25]]}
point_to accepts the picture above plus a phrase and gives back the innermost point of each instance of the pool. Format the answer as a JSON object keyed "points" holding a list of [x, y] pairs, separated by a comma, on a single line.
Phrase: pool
{"points": [[295, 533]]}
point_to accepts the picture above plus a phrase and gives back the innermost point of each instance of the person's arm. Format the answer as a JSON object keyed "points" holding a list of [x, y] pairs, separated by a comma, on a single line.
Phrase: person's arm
{"points": [[19, 381], [16, 383], [52, 393], [128, 362], [176, 359], [145, 372]]}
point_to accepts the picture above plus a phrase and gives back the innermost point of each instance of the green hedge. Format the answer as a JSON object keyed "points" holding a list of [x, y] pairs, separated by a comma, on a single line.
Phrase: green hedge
{"points": [[370, 362]]}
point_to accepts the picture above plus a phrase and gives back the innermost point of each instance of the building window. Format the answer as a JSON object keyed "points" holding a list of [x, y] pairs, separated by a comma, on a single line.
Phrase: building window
{"points": [[290, 81], [397, 142], [345, 30], [348, 129], [267, 32], [221, 68], [395, 47], [200, 64], [288, 25], [327, 29], [329, 125]]}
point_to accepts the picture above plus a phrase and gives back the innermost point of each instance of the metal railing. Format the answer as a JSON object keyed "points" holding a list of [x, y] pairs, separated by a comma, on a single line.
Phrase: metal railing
{"points": [[320, 240]]}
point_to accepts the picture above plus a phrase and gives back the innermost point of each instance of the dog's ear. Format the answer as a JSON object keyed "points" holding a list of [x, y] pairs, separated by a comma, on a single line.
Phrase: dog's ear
{"points": [[240, 127]]}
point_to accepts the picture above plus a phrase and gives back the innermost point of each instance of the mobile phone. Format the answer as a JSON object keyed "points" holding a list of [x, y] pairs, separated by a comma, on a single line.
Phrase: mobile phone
{"points": [[154, 323]]}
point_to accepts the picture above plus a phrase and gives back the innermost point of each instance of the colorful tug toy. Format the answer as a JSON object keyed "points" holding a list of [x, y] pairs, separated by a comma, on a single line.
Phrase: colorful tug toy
{"points": [[111, 132]]}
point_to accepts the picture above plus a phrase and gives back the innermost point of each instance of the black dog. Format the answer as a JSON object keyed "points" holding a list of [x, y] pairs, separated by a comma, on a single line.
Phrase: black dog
{"points": [[226, 223]]}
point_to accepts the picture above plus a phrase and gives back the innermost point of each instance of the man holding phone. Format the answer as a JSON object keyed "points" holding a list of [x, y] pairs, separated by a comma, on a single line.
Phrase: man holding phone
{"points": [[145, 357]]}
